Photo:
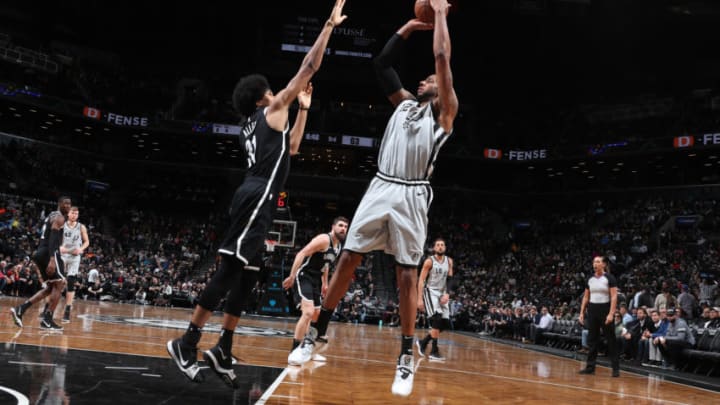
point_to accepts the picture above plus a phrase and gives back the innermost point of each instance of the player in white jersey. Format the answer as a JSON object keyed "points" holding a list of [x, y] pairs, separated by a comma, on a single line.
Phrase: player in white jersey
{"points": [[392, 215], [75, 241], [433, 297]]}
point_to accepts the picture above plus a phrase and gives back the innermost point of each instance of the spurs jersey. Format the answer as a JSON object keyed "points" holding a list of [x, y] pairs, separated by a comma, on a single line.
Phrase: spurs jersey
{"points": [[437, 276], [411, 142], [72, 239], [313, 266], [47, 228]]}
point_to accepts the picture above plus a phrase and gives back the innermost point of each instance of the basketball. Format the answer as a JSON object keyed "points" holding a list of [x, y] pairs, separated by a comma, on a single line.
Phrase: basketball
{"points": [[424, 12]]}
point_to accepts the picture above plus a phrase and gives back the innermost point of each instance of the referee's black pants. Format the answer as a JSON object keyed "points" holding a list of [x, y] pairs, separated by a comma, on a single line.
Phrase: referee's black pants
{"points": [[596, 316]]}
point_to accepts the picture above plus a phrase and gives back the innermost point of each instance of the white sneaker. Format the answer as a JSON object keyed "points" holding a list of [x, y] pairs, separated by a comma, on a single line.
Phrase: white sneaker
{"points": [[301, 354], [319, 357], [404, 374]]}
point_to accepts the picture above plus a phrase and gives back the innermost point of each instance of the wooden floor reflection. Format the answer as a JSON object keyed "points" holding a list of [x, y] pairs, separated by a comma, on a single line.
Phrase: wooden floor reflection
{"points": [[360, 361]]}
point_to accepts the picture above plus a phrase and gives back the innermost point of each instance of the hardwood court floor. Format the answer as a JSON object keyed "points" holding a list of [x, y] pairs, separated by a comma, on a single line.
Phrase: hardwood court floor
{"points": [[359, 369]]}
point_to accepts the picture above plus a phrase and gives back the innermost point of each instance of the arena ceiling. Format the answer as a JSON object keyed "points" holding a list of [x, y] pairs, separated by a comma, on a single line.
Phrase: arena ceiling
{"points": [[506, 49]]}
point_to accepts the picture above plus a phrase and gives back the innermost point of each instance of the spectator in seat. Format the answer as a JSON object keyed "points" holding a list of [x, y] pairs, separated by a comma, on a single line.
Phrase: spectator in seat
{"points": [[655, 358], [665, 299], [708, 291], [713, 318], [642, 298], [688, 304], [632, 334], [677, 338], [545, 323], [95, 290]]}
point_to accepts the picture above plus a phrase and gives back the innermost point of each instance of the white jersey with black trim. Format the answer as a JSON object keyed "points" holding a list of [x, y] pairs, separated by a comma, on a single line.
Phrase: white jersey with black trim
{"points": [[411, 142], [437, 276], [72, 239]]}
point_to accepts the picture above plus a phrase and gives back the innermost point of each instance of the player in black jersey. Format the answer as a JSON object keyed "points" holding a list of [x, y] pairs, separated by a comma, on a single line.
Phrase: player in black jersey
{"points": [[50, 265], [309, 276], [268, 143]]}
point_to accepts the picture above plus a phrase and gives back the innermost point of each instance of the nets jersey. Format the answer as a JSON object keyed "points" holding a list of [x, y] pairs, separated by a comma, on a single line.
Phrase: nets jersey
{"points": [[437, 277], [411, 142], [267, 151], [313, 266], [72, 239], [47, 228]]}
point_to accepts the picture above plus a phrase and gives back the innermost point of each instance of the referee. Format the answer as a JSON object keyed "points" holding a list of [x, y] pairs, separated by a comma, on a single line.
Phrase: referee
{"points": [[601, 294]]}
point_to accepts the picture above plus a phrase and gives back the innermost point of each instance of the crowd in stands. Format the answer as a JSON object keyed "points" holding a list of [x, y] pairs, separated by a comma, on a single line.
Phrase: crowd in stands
{"points": [[148, 259], [520, 286], [516, 278]]}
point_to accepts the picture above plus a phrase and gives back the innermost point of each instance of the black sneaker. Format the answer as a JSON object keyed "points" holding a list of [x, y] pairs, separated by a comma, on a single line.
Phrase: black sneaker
{"points": [[587, 370], [17, 313], [185, 357], [221, 363], [616, 373], [435, 356], [421, 348], [49, 324], [66, 317]]}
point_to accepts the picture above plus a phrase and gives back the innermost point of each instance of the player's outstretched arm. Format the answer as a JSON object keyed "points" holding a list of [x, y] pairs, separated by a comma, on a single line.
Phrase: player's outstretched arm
{"points": [[278, 110], [447, 102]]}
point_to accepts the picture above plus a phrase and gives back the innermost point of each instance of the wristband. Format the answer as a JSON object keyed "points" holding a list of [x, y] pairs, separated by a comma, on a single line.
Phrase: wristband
{"points": [[301, 108]]}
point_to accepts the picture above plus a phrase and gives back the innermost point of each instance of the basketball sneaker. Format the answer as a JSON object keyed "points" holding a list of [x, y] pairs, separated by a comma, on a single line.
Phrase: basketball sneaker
{"points": [[301, 354], [185, 357], [17, 313], [66, 316], [221, 363], [435, 356], [421, 348], [49, 324], [404, 374], [322, 339]]}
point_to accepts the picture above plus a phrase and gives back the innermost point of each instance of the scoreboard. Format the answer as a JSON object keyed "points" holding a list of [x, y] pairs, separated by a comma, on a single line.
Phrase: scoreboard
{"points": [[346, 140]]}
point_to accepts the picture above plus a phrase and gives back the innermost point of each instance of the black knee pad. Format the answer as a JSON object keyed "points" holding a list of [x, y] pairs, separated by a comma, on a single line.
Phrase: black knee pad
{"points": [[71, 280]]}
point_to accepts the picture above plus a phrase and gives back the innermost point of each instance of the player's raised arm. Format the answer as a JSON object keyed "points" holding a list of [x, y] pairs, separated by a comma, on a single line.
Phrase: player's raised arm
{"points": [[447, 102], [278, 109]]}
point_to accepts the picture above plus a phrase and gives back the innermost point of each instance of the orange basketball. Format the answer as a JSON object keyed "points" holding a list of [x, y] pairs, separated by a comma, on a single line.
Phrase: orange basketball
{"points": [[424, 12]]}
